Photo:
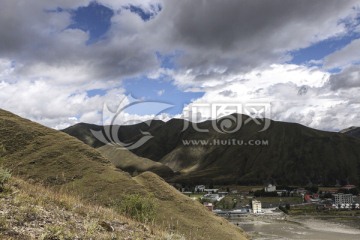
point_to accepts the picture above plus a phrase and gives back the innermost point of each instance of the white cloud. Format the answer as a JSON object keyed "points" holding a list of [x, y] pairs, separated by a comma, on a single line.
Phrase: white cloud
{"points": [[344, 57], [279, 85], [224, 48], [223, 38], [346, 79], [161, 92]]}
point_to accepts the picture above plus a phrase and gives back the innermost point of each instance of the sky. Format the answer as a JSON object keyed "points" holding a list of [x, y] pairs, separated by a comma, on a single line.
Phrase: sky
{"points": [[63, 62]]}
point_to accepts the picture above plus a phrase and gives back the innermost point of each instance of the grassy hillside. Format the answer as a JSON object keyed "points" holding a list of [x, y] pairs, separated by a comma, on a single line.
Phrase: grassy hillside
{"points": [[29, 211], [54, 159], [82, 131], [292, 154], [174, 204], [120, 157], [129, 162]]}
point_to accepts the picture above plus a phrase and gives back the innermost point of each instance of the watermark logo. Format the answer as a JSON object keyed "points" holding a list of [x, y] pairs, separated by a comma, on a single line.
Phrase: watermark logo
{"points": [[114, 120], [225, 142], [228, 117]]}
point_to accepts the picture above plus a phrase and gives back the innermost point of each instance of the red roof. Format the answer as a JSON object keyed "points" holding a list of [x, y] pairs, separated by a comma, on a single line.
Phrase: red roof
{"points": [[307, 197]]}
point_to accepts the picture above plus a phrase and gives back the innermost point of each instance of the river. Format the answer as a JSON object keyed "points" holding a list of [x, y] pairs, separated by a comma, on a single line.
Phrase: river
{"points": [[300, 227]]}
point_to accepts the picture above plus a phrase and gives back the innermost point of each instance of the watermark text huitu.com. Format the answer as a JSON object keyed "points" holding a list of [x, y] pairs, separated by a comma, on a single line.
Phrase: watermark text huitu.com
{"points": [[225, 142], [223, 118]]}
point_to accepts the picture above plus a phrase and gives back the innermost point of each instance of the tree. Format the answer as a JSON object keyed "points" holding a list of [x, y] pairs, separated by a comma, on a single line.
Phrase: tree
{"points": [[312, 189], [287, 206], [283, 209], [354, 191]]}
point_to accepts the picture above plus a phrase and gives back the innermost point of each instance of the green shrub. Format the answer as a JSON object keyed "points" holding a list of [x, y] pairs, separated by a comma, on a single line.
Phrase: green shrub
{"points": [[138, 207], [56, 232], [282, 208], [226, 203], [5, 175]]}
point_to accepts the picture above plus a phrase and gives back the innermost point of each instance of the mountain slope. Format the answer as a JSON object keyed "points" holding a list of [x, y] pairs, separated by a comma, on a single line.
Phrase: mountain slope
{"points": [[122, 159], [129, 162], [45, 214], [82, 131], [63, 163], [352, 131], [290, 153]]}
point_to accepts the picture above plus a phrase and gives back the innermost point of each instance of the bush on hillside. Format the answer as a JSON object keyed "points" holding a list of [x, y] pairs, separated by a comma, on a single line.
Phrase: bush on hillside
{"points": [[5, 175], [138, 207], [284, 209], [226, 203]]}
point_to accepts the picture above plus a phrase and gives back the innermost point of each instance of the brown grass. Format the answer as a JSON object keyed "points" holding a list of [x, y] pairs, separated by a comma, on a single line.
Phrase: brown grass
{"points": [[188, 216], [47, 157], [29, 211]]}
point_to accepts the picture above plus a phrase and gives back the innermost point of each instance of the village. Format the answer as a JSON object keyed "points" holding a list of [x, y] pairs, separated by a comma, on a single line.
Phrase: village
{"points": [[272, 199]]}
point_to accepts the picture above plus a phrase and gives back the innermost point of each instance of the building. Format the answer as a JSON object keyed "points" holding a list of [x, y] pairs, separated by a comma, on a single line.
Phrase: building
{"points": [[199, 188], [212, 197], [348, 187], [282, 193], [256, 206], [311, 198], [300, 191], [211, 190], [341, 198], [209, 206], [223, 194], [270, 188]]}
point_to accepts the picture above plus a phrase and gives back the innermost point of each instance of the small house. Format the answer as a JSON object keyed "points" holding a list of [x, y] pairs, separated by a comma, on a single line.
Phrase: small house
{"points": [[256, 206], [199, 188], [270, 188], [209, 206]]}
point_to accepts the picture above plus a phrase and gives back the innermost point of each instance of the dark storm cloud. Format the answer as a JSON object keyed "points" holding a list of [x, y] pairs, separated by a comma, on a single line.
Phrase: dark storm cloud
{"points": [[240, 35], [348, 78], [215, 38], [33, 35]]}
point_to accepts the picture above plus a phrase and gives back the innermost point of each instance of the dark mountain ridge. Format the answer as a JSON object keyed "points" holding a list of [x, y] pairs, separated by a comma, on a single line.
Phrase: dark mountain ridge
{"points": [[289, 153], [352, 131]]}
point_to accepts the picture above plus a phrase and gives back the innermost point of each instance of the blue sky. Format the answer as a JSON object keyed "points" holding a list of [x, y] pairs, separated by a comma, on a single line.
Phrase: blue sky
{"points": [[96, 19], [321, 49], [79, 55]]}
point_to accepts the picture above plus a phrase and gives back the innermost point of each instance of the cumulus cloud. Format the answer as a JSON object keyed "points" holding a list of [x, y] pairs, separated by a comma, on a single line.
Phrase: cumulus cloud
{"points": [[231, 49], [344, 57], [279, 86], [348, 78], [232, 36], [32, 34]]}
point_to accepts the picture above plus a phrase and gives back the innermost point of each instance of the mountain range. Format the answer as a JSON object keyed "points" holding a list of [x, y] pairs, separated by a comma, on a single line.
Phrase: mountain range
{"points": [[352, 131], [289, 153]]}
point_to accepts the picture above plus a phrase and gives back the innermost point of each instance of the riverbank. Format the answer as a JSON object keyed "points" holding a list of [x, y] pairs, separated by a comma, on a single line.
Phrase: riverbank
{"points": [[281, 226]]}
